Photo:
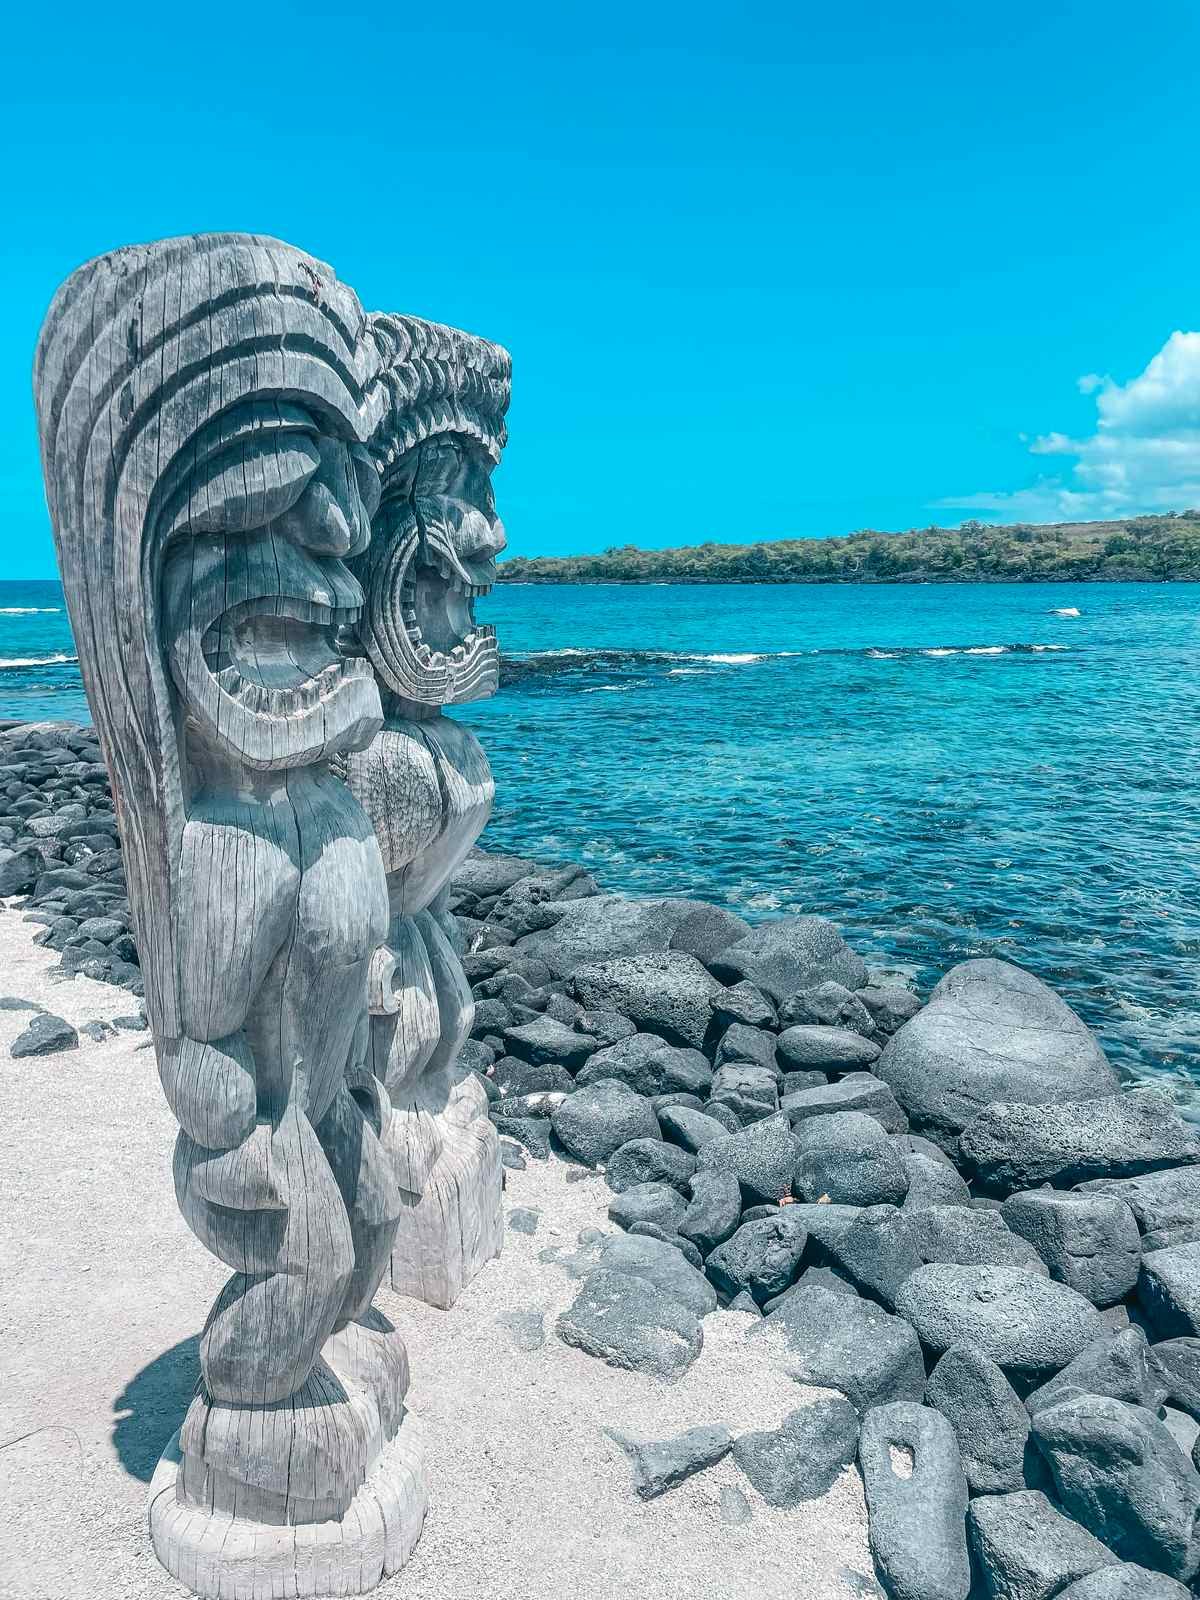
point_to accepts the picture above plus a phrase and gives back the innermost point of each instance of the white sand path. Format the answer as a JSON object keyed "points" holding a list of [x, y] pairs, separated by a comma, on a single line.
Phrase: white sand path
{"points": [[103, 1290]]}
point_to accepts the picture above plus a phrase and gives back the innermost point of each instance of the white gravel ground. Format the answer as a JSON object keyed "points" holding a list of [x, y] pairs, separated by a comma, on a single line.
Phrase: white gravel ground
{"points": [[103, 1290]]}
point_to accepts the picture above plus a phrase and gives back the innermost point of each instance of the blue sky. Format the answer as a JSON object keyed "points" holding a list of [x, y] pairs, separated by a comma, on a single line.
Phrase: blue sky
{"points": [[765, 269]]}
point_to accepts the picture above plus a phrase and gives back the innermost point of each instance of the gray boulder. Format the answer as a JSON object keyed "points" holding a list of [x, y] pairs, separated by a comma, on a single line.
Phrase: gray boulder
{"points": [[707, 930], [713, 1211], [888, 1005], [790, 954], [762, 1158], [649, 1066], [829, 1005], [1177, 1365], [485, 873], [648, 1161], [916, 1518], [1118, 1365], [666, 994], [801, 1459], [808, 1049], [627, 1321], [1018, 1146], [19, 871], [751, 1046], [989, 1421], [849, 1159], [1161, 1201], [1026, 1550], [1125, 1582], [690, 1130], [532, 1133], [968, 1237], [1169, 1290], [876, 1252], [1090, 1242], [595, 1121], [742, 1002], [832, 1341], [46, 1035], [1021, 1321], [749, 1092], [932, 1182], [859, 1091], [649, 1202], [1119, 1472], [609, 1027], [544, 1039], [685, 1247], [824, 1224], [990, 1032], [665, 1464], [722, 1114], [515, 1078], [606, 925], [761, 1258], [660, 1264]]}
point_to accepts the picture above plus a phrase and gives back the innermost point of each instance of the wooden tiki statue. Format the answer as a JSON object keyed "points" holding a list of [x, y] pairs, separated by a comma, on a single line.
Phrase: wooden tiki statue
{"points": [[217, 420], [426, 785]]}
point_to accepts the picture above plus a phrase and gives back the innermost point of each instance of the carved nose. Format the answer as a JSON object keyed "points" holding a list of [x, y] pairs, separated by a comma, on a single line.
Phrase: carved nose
{"points": [[318, 523], [482, 537]]}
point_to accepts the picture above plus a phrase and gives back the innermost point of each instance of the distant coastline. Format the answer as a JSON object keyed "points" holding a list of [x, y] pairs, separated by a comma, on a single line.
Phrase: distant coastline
{"points": [[1160, 549]]}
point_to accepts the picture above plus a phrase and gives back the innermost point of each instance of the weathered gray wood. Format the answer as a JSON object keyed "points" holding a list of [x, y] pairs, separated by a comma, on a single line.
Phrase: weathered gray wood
{"points": [[218, 420], [426, 785]]}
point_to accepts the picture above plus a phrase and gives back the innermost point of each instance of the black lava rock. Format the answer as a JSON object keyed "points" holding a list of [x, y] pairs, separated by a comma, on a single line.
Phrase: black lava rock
{"points": [[917, 1517]]}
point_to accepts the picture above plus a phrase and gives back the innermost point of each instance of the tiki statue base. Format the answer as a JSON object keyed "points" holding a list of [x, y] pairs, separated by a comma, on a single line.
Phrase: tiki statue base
{"points": [[322, 1495]]}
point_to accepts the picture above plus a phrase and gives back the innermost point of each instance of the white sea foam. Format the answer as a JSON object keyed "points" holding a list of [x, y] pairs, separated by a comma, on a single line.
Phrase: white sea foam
{"points": [[733, 659], [882, 655], [1065, 611], [687, 672], [608, 688], [986, 650], [34, 661], [1040, 647], [29, 611], [939, 652]]}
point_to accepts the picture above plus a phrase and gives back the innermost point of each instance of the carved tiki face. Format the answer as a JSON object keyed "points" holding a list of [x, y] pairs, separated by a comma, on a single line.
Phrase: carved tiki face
{"points": [[433, 552], [256, 593]]}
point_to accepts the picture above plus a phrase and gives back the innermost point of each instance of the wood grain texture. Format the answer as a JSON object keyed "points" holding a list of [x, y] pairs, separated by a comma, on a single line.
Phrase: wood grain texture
{"points": [[427, 788], [219, 425]]}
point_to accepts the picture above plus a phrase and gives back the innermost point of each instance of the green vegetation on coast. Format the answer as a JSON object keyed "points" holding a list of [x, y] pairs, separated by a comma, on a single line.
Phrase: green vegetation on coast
{"points": [[1139, 548]]}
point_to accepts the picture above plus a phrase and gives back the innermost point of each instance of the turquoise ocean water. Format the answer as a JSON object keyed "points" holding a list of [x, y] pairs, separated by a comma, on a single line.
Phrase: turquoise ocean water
{"points": [[946, 770]]}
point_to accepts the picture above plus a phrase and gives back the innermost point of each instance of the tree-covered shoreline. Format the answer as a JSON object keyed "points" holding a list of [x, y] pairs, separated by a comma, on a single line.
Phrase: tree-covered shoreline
{"points": [[1153, 549]]}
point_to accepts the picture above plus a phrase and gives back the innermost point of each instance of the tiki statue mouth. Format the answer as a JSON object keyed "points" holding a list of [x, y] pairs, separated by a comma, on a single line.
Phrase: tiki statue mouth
{"points": [[283, 653], [437, 605]]}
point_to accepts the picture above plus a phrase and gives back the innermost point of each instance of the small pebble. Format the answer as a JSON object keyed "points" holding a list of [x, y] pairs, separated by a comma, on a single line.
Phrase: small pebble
{"points": [[733, 1507]]}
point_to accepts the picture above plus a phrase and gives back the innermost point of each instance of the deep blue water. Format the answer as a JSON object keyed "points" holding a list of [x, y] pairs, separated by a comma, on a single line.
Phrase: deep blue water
{"points": [[946, 770]]}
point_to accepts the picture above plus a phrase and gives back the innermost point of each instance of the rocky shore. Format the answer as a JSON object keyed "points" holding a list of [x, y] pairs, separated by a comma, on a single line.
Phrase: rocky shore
{"points": [[944, 1213]]}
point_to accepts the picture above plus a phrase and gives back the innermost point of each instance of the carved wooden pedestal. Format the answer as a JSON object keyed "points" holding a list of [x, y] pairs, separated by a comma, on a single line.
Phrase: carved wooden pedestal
{"points": [[321, 1494]]}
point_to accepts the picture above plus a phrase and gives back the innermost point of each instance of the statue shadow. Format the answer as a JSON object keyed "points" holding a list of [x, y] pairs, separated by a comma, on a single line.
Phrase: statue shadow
{"points": [[152, 1405]]}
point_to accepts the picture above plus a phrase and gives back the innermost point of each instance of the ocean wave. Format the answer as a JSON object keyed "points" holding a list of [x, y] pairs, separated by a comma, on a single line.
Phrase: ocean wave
{"points": [[1065, 611], [29, 611], [577, 660], [732, 658], [36, 661]]}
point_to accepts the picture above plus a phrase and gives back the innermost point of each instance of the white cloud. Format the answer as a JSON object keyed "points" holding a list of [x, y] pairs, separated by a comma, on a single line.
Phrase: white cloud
{"points": [[1144, 455]]}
